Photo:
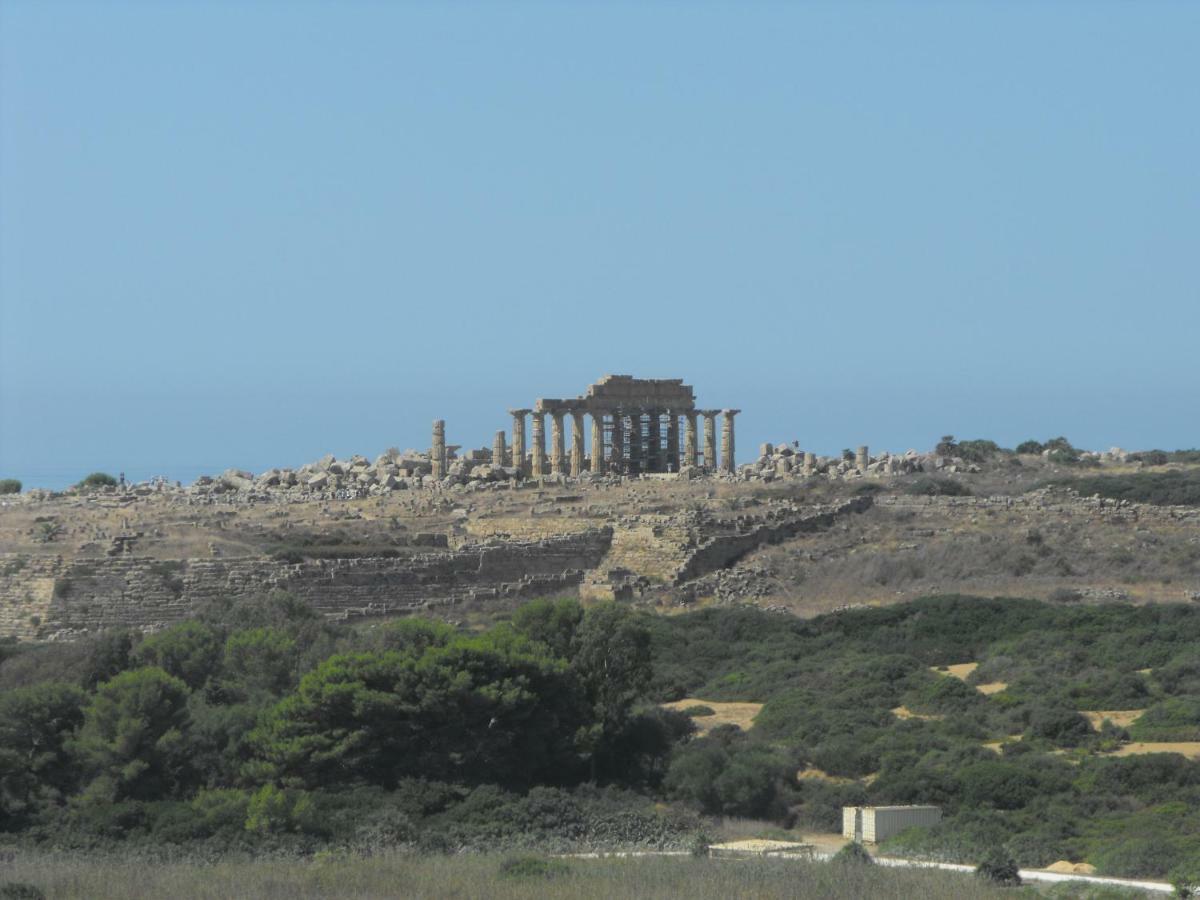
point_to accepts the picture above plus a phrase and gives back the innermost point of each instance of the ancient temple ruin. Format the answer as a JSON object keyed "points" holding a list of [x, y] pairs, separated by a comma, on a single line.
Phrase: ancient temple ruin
{"points": [[635, 429]]}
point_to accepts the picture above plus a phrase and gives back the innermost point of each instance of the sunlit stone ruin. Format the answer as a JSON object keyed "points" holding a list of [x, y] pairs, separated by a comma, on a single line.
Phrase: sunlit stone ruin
{"points": [[635, 429]]}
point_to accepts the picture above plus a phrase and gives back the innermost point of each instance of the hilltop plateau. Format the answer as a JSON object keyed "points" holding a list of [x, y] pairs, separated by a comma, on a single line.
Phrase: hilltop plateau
{"points": [[1058, 524]]}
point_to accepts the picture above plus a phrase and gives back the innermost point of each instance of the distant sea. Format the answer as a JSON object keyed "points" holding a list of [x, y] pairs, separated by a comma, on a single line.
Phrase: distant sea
{"points": [[57, 478]]}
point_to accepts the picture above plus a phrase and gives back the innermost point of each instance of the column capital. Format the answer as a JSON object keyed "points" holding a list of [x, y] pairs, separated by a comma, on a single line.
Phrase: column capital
{"points": [[730, 412], [519, 412]]}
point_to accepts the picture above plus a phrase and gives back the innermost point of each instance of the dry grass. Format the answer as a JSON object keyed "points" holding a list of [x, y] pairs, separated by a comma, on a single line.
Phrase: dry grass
{"points": [[958, 670], [815, 774], [79, 878], [890, 555], [1122, 718], [998, 746], [1190, 749], [740, 714], [961, 671], [903, 712]]}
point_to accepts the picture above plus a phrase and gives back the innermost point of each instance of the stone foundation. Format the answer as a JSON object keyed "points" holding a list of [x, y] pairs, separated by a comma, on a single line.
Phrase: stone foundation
{"points": [[48, 598]]}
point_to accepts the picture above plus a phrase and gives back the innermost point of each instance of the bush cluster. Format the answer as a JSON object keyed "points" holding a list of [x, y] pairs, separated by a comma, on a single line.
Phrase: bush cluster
{"points": [[261, 724], [1180, 488], [97, 480], [832, 686], [261, 727]]}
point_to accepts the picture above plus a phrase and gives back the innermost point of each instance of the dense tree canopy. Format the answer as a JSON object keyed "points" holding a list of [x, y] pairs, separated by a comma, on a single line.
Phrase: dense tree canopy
{"points": [[263, 725]]}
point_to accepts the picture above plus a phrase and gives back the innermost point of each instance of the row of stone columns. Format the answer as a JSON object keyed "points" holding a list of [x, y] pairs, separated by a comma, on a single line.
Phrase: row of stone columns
{"points": [[650, 432]]}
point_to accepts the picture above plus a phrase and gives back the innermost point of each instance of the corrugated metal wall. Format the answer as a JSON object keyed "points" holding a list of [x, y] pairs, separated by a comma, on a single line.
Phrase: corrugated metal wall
{"points": [[882, 822]]}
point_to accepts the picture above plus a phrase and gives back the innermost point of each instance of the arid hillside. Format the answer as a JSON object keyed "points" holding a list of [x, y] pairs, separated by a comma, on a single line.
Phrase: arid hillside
{"points": [[1008, 525]]}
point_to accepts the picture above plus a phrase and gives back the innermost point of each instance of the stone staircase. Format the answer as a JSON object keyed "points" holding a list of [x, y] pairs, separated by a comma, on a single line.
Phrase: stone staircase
{"points": [[647, 552], [650, 552]]}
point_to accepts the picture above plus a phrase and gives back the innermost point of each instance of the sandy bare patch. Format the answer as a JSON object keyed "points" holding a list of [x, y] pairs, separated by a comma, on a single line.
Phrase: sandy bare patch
{"points": [[962, 670], [903, 712], [1190, 749], [1122, 718], [740, 714], [958, 670], [998, 746], [1066, 867], [761, 847], [814, 774]]}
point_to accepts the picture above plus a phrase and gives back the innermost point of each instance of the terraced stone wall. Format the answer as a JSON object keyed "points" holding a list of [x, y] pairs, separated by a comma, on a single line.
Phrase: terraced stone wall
{"points": [[49, 598]]}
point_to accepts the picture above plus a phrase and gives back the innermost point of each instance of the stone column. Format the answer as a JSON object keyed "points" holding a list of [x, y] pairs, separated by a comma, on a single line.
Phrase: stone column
{"points": [[518, 440], [597, 443], [654, 452], [437, 453], [616, 458], [672, 441], [862, 459], [558, 450], [498, 449], [538, 465], [576, 443], [810, 463], [710, 439], [727, 447], [689, 438], [636, 462]]}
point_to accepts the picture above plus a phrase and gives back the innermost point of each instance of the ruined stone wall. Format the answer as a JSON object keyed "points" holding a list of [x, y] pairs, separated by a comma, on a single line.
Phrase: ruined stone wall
{"points": [[26, 591], [723, 550], [536, 525], [652, 552], [49, 598]]}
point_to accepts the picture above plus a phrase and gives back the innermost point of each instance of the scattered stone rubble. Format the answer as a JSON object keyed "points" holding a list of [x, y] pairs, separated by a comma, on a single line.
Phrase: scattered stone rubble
{"points": [[787, 460], [468, 470]]}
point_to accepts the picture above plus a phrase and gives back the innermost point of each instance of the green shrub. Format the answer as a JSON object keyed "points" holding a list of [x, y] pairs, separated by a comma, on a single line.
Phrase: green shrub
{"points": [[1063, 457], [1143, 857], [929, 486], [19, 890], [1158, 488], [853, 854], [1033, 448], [532, 867], [10, 486], [98, 480], [1062, 726], [1150, 457], [999, 868], [699, 710], [977, 451], [1185, 878], [1174, 719]]}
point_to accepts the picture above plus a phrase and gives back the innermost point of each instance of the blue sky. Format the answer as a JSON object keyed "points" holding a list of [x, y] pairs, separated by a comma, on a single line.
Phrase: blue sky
{"points": [[249, 234]]}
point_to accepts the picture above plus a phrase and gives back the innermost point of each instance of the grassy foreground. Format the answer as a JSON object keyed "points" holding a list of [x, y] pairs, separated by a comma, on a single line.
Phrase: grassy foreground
{"points": [[75, 876]]}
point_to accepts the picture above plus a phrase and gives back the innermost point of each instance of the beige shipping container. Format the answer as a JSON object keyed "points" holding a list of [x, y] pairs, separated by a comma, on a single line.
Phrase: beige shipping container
{"points": [[875, 824]]}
